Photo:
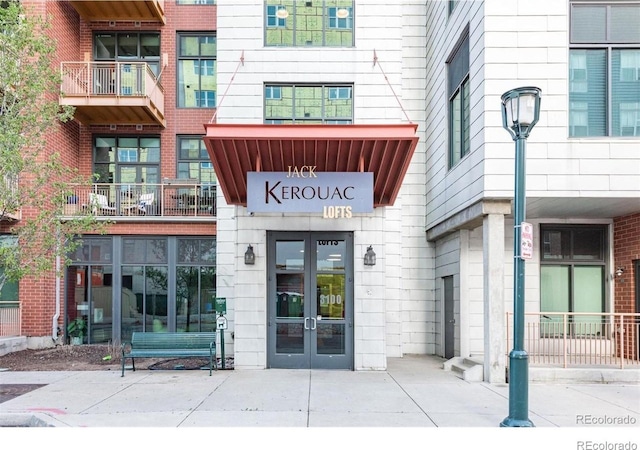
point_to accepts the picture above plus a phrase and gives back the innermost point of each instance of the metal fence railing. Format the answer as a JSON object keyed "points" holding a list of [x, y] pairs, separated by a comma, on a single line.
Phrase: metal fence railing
{"points": [[10, 318], [180, 198], [110, 78], [580, 339]]}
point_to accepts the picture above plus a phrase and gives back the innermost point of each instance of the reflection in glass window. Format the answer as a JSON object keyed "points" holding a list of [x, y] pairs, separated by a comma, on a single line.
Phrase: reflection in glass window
{"points": [[197, 80], [276, 16], [195, 299], [130, 47], [341, 18], [205, 99], [144, 250], [97, 250], [572, 267], [320, 23], [459, 104], [196, 285], [127, 159], [587, 93], [604, 79], [193, 160], [272, 93], [290, 255], [9, 291], [327, 104]]}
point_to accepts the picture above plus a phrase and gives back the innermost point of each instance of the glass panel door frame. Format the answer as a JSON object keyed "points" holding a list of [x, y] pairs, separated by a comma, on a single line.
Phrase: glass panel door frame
{"points": [[312, 328]]}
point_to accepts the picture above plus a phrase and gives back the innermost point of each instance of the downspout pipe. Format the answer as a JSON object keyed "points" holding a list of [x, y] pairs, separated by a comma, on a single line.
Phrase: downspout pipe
{"points": [[56, 316]]}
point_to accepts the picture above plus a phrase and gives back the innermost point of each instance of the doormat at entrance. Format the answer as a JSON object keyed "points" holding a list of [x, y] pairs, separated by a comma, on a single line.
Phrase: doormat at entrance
{"points": [[11, 391]]}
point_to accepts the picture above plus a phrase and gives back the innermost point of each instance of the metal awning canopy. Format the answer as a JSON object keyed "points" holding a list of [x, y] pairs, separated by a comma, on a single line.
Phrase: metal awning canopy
{"points": [[385, 150]]}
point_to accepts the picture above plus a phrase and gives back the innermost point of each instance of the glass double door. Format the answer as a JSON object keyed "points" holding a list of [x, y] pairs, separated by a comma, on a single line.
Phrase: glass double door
{"points": [[310, 300]]}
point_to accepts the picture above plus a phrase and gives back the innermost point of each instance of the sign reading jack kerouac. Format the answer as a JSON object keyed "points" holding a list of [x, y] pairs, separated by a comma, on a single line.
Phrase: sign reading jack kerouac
{"points": [[302, 190]]}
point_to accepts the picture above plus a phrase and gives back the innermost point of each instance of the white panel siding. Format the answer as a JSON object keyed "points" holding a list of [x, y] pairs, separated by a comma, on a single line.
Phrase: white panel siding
{"points": [[449, 191], [393, 300], [528, 44]]}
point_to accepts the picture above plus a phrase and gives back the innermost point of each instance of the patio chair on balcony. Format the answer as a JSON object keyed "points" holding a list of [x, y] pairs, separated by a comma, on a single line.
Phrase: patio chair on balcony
{"points": [[144, 204], [100, 205]]}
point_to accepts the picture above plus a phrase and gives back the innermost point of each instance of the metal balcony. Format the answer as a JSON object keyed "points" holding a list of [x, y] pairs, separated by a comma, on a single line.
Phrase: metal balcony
{"points": [[114, 10], [181, 200], [106, 93]]}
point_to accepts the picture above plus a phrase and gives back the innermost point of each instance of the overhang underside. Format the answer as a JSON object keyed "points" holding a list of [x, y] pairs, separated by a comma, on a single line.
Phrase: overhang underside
{"points": [[385, 150]]}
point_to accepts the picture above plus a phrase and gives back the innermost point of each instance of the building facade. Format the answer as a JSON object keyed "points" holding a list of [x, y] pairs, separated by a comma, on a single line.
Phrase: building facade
{"points": [[337, 171]]}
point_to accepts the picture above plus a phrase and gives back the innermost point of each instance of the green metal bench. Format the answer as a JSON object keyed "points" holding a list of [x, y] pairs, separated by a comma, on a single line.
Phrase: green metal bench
{"points": [[170, 345]]}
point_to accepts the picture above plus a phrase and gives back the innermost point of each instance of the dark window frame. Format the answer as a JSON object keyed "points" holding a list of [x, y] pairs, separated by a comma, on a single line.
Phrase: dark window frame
{"points": [[330, 24], [582, 101], [117, 162], [572, 262], [202, 158], [458, 90], [180, 56], [323, 118]]}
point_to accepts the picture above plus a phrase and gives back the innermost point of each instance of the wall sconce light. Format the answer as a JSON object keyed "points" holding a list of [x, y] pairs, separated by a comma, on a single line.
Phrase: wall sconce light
{"points": [[619, 271], [370, 257], [249, 256]]}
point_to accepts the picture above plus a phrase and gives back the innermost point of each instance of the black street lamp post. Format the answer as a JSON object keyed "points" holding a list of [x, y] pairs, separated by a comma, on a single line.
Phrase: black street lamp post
{"points": [[520, 112]]}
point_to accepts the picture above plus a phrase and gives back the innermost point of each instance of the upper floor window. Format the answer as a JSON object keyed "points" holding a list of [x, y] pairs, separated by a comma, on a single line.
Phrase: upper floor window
{"points": [[316, 23], [130, 47], [459, 106], [306, 103], [604, 69], [451, 5], [197, 81], [127, 159], [194, 161]]}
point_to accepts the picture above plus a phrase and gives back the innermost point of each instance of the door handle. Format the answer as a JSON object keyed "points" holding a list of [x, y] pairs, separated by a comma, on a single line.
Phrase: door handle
{"points": [[306, 326], [313, 327]]}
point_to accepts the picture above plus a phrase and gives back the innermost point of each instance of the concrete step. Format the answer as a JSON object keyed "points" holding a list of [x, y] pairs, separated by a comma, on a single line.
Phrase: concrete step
{"points": [[469, 369]]}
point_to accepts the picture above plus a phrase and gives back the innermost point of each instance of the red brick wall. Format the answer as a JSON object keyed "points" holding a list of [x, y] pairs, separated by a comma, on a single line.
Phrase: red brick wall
{"points": [[74, 39], [37, 294], [626, 242]]}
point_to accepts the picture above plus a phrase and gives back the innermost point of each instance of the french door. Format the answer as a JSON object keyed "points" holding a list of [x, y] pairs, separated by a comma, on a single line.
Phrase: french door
{"points": [[310, 300]]}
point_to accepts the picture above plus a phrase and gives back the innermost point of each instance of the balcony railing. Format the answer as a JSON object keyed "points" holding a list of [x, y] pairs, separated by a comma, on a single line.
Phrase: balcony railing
{"points": [[101, 91], [580, 339], [10, 318], [174, 199]]}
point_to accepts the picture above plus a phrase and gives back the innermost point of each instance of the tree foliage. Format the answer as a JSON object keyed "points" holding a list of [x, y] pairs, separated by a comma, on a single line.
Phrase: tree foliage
{"points": [[34, 182]]}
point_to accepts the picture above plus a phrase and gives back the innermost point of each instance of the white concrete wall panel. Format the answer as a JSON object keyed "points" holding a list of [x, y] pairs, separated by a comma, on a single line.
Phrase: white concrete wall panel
{"points": [[393, 300]]}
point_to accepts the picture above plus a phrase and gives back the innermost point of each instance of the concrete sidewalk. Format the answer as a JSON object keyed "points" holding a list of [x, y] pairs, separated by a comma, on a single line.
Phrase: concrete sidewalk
{"points": [[413, 392]]}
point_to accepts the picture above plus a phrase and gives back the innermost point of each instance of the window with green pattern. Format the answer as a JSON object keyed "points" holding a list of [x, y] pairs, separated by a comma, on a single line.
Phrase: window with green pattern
{"points": [[306, 103], [319, 23]]}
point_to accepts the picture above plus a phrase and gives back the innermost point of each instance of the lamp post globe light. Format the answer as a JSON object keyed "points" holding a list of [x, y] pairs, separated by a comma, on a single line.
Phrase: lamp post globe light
{"points": [[520, 112]]}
